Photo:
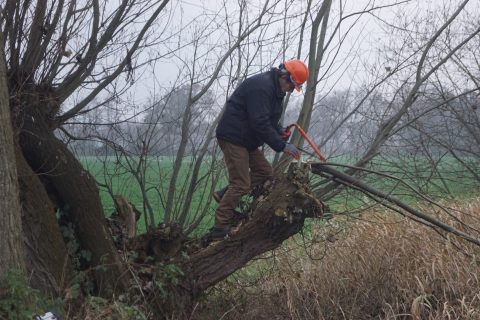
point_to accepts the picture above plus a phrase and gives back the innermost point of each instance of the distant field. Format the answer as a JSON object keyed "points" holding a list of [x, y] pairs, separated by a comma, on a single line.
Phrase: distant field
{"points": [[449, 180], [108, 171]]}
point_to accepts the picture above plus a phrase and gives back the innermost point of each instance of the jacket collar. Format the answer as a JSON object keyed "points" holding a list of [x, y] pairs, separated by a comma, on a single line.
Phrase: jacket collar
{"points": [[274, 74]]}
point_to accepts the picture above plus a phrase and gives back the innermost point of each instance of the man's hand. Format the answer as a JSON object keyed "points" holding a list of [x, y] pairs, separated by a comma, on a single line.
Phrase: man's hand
{"points": [[285, 134], [291, 150]]}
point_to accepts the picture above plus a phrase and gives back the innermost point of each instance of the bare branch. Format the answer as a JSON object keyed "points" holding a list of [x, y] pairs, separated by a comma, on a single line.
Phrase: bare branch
{"points": [[350, 181]]}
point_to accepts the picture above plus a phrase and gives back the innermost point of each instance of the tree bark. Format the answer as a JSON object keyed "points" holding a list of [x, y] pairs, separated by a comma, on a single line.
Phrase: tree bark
{"points": [[48, 264], [78, 195], [273, 219], [11, 250]]}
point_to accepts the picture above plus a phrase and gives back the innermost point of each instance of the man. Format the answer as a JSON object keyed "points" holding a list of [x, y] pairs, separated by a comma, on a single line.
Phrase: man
{"points": [[251, 118]]}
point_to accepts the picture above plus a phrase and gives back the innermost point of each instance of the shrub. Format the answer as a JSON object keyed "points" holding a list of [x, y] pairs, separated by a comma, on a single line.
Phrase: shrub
{"points": [[19, 301]]}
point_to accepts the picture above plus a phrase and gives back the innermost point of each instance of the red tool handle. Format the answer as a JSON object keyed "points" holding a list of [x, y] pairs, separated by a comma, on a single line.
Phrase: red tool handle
{"points": [[304, 134]]}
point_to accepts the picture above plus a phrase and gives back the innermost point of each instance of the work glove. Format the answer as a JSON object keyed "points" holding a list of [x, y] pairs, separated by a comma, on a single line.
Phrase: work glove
{"points": [[291, 150], [285, 134]]}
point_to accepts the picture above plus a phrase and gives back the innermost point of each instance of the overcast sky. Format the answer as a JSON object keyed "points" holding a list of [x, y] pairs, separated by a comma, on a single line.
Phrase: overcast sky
{"points": [[359, 58]]}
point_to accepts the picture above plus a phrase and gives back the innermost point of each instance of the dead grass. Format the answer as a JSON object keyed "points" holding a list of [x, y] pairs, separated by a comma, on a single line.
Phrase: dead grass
{"points": [[381, 267]]}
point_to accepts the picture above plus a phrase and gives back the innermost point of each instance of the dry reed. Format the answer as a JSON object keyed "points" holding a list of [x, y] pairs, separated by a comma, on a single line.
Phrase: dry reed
{"points": [[381, 266]]}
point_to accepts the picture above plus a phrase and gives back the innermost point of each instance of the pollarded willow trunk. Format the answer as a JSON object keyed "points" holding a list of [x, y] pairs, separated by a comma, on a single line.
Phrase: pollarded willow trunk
{"points": [[274, 219], [75, 192], [48, 264]]}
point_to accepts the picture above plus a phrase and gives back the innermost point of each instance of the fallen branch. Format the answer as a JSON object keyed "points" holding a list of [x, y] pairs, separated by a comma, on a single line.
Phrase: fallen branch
{"points": [[349, 181]]}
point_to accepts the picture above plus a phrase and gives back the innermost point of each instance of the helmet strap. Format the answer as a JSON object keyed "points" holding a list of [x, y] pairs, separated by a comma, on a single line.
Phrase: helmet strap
{"points": [[282, 70]]}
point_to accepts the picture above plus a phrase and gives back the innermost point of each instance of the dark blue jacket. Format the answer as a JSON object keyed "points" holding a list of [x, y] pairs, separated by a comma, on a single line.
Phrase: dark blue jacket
{"points": [[252, 113]]}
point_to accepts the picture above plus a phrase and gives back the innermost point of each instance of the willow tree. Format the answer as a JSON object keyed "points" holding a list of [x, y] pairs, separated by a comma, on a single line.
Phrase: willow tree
{"points": [[57, 50], [64, 59]]}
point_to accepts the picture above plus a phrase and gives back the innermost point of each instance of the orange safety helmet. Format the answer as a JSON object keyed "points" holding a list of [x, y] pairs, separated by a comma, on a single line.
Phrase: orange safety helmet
{"points": [[298, 72]]}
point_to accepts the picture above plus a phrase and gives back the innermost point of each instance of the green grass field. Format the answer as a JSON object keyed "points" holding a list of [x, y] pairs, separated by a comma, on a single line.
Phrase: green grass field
{"points": [[117, 177], [448, 180]]}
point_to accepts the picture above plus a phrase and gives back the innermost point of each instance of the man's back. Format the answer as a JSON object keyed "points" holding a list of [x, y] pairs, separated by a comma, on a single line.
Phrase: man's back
{"points": [[252, 113]]}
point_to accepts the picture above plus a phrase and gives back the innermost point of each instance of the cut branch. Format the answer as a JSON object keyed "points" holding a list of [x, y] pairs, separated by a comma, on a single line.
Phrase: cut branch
{"points": [[349, 181]]}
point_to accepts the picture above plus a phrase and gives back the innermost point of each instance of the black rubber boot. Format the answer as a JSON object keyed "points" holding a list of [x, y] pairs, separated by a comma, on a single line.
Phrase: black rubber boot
{"points": [[217, 234], [218, 195]]}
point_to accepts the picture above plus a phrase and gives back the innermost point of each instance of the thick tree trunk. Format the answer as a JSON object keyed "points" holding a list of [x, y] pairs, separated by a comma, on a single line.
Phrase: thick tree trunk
{"points": [[78, 195], [11, 250], [274, 219], [47, 259]]}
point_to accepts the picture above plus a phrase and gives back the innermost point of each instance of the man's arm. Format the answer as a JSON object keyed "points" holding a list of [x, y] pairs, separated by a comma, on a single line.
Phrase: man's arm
{"points": [[258, 104]]}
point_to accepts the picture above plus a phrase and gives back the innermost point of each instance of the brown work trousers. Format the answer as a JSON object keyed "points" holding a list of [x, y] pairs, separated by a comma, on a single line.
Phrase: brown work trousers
{"points": [[246, 170]]}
